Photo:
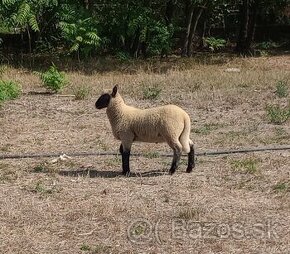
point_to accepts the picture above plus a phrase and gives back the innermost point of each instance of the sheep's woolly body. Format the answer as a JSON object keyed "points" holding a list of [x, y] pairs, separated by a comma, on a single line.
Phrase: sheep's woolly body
{"points": [[168, 123]]}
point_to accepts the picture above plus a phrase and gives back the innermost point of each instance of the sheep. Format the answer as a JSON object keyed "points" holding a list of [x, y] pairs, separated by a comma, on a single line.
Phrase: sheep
{"points": [[168, 123]]}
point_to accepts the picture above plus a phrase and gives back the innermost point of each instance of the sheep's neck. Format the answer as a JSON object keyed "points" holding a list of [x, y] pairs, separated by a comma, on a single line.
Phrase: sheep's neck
{"points": [[115, 110]]}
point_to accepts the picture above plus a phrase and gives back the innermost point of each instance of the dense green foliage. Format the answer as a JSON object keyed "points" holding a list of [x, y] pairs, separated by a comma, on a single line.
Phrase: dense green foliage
{"points": [[9, 90], [126, 28]]}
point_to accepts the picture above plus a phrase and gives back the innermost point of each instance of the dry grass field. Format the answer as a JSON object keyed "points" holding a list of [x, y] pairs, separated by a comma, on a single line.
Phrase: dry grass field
{"points": [[228, 204]]}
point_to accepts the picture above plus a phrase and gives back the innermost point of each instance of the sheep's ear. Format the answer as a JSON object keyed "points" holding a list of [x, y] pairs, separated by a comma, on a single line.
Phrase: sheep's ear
{"points": [[115, 90]]}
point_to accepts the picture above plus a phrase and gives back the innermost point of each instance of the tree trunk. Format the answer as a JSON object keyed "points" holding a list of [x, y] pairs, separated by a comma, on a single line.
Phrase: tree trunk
{"points": [[86, 4], [241, 47], [135, 46], [194, 23], [247, 29], [252, 26], [29, 40], [189, 15], [169, 12]]}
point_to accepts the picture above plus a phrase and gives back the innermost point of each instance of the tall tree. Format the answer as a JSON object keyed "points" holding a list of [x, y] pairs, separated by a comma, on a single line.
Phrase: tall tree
{"points": [[248, 18]]}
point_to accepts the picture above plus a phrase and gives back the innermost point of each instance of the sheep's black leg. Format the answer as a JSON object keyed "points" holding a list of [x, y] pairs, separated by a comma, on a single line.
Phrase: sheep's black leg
{"points": [[175, 161], [121, 149], [125, 162], [191, 160]]}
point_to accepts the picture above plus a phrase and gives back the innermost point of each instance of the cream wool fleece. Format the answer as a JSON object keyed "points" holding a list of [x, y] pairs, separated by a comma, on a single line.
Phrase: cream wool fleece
{"points": [[168, 123]]}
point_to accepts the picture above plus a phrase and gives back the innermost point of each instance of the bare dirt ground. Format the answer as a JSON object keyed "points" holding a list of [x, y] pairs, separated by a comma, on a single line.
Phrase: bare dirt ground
{"points": [[229, 204]]}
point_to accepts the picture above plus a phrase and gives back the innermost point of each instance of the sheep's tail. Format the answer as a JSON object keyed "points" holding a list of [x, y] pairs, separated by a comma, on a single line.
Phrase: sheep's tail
{"points": [[184, 137]]}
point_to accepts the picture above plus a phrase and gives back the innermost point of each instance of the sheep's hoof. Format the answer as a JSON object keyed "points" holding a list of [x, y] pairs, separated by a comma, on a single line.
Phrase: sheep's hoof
{"points": [[171, 171], [126, 173], [188, 170]]}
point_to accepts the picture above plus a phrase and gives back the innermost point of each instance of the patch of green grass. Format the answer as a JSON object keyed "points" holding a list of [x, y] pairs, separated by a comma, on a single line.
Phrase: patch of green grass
{"points": [[85, 247], [277, 114], [81, 92], [151, 92], [207, 128], [152, 155], [41, 188], [282, 187], [246, 166], [39, 168], [50, 168], [189, 214], [281, 89], [101, 249], [9, 90], [139, 229], [114, 162]]}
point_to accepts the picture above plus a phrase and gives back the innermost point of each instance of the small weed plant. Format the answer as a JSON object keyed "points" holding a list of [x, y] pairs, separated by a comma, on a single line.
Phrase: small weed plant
{"points": [[215, 44], [281, 89], [277, 114], [9, 90], [246, 166], [81, 92], [53, 79], [151, 92]]}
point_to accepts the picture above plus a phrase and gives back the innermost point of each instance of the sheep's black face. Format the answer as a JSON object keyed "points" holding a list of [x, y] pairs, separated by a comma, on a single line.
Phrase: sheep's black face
{"points": [[103, 101]]}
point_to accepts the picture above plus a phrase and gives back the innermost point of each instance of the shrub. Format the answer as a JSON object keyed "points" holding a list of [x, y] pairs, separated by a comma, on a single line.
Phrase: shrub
{"points": [[123, 56], [53, 79], [215, 43], [267, 45], [277, 115], [79, 31], [9, 90], [81, 92]]}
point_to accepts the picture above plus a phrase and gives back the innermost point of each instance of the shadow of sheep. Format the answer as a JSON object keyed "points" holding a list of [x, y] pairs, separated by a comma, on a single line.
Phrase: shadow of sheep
{"points": [[92, 173]]}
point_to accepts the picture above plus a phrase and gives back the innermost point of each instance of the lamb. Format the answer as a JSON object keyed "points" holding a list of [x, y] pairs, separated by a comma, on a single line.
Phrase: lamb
{"points": [[168, 123]]}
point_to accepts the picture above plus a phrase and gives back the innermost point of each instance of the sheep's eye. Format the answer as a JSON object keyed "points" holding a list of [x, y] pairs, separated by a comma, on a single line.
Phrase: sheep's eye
{"points": [[103, 101]]}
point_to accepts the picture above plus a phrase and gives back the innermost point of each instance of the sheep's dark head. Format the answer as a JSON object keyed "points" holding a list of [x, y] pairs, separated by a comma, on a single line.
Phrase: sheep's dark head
{"points": [[104, 99]]}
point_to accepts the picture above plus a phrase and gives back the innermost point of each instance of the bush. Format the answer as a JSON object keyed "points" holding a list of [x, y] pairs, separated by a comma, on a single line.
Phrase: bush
{"points": [[9, 90], [215, 43], [53, 79], [267, 45]]}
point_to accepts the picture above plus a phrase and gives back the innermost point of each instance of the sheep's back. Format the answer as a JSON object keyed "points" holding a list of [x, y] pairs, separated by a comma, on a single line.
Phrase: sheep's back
{"points": [[157, 124]]}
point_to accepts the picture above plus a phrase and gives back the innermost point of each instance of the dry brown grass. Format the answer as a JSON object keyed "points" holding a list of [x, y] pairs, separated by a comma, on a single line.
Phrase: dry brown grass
{"points": [[229, 204]]}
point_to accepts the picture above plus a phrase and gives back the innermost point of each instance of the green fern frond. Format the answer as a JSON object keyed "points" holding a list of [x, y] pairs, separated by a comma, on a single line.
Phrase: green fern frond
{"points": [[79, 38], [75, 47], [8, 2], [33, 23], [93, 36], [23, 13]]}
